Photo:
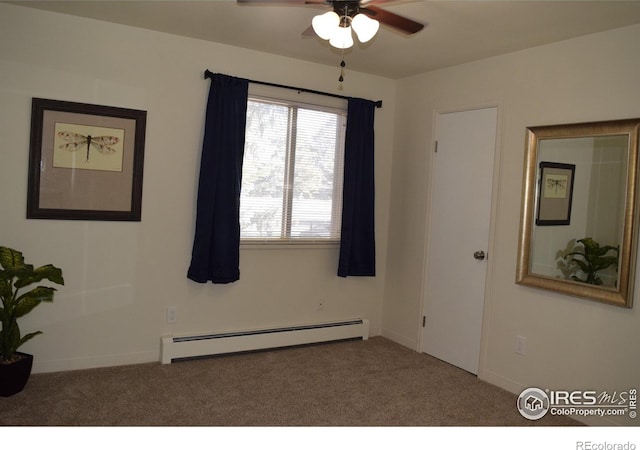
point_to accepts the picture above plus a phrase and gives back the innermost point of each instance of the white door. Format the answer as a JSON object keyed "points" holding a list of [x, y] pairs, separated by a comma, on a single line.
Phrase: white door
{"points": [[459, 236]]}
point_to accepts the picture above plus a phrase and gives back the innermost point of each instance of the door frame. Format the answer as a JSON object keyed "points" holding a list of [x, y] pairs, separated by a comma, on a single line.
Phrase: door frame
{"points": [[495, 185]]}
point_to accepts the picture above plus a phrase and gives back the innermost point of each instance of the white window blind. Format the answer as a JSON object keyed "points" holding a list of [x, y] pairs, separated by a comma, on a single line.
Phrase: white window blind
{"points": [[292, 171]]}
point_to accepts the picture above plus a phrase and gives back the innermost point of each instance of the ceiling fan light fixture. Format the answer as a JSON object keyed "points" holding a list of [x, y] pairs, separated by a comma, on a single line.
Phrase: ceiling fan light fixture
{"points": [[341, 38], [365, 27], [326, 25]]}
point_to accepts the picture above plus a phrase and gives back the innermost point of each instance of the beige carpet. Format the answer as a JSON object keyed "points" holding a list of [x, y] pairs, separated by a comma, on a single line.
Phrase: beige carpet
{"points": [[358, 383]]}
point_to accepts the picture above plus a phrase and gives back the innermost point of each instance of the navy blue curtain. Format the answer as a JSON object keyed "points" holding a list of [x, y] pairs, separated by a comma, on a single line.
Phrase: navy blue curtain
{"points": [[357, 241], [216, 245]]}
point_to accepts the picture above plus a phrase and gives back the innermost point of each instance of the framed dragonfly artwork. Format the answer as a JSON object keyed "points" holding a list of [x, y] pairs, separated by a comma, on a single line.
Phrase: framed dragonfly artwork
{"points": [[555, 193], [86, 161]]}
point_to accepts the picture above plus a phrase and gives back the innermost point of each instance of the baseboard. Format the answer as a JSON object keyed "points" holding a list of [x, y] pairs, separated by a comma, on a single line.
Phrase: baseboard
{"points": [[93, 362], [399, 339], [498, 380]]}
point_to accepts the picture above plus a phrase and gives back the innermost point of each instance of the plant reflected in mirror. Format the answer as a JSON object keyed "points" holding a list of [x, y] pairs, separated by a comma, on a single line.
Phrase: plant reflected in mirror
{"points": [[589, 258]]}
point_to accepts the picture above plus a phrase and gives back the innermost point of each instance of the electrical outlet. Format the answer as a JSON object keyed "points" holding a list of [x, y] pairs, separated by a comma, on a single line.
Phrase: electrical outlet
{"points": [[320, 306], [521, 345], [172, 314]]}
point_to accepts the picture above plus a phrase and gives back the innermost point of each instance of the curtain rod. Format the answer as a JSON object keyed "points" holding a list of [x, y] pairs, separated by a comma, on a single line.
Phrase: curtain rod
{"points": [[209, 74]]}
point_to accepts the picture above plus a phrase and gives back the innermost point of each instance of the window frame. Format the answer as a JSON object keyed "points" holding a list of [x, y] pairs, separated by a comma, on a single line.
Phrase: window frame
{"points": [[297, 100]]}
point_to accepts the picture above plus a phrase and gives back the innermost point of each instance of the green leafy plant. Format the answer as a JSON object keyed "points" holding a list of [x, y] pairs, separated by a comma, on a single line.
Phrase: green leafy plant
{"points": [[15, 276], [588, 258]]}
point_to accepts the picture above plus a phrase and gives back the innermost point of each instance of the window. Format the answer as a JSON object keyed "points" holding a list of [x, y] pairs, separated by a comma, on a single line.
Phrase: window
{"points": [[292, 171]]}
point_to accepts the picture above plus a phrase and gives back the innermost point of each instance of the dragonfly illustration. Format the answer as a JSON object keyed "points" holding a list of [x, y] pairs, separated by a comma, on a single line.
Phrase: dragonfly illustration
{"points": [[75, 141], [556, 183]]}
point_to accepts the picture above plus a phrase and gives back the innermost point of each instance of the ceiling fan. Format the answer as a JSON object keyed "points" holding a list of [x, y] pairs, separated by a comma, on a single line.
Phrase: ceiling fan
{"points": [[363, 16]]}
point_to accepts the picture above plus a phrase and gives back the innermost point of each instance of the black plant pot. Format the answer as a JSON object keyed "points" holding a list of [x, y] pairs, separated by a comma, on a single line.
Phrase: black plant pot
{"points": [[14, 376]]}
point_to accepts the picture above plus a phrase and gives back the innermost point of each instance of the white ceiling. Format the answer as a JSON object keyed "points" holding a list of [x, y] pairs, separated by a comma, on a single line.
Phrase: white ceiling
{"points": [[456, 31]]}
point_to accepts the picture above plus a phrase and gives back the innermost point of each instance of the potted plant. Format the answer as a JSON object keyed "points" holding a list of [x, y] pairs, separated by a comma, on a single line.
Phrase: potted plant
{"points": [[15, 276]]}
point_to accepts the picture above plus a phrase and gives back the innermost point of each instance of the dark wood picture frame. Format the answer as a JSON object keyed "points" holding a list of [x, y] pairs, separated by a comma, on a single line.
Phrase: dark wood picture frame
{"points": [[85, 161], [555, 193]]}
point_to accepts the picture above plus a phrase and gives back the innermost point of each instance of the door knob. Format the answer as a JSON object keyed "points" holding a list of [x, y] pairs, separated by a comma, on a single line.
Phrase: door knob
{"points": [[479, 255]]}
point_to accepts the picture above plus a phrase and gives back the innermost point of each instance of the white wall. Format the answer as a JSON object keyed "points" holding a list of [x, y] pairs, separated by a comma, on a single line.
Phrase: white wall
{"points": [[571, 343], [121, 276]]}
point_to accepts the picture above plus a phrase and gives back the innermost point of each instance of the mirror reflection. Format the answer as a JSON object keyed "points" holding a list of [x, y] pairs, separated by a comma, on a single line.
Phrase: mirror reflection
{"points": [[577, 229], [598, 182]]}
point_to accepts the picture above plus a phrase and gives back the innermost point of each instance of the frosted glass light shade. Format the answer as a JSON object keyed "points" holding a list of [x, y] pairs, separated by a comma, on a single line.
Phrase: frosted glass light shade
{"points": [[342, 38], [325, 25], [365, 27]]}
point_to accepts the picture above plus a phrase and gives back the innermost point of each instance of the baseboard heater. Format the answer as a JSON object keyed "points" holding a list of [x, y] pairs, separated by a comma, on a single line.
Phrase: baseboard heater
{"points": [[181, 347]]}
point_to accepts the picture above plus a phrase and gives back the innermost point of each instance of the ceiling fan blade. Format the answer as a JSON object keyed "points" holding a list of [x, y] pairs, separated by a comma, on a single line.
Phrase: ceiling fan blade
{"points": [[390, 19], [299, 2]]}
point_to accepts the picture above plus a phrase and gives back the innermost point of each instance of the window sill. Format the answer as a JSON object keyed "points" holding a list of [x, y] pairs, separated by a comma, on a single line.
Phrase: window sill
{"points": [[269, 244]]}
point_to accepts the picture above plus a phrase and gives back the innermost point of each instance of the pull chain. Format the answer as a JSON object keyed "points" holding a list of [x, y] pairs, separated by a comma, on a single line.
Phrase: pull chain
{"points": [[342, 63]]}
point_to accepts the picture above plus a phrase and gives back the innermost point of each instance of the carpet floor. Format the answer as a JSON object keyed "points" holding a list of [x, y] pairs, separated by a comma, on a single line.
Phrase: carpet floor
{"points": [[357, 383]]}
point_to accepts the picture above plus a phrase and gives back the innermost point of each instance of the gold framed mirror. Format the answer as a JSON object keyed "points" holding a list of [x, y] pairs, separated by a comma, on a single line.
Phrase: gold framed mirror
{"points": [[579, 216]]}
